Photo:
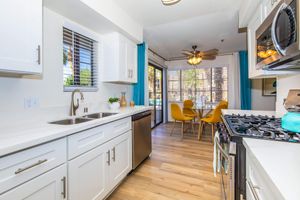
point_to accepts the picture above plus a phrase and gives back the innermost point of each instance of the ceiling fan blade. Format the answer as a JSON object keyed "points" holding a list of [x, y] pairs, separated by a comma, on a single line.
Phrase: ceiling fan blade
{"points": [[209, 52], [188, 53], [208, 57]]}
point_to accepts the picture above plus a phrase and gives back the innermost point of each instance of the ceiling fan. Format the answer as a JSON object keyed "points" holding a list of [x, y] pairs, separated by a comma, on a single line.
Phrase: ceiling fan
{"points": [[194, 57]]}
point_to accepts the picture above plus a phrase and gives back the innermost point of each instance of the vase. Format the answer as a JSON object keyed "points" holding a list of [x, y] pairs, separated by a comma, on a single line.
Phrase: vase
{"points": [[123, 101]]}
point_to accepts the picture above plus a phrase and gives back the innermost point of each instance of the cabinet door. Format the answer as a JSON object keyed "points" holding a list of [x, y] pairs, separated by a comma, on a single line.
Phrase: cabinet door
{"points": [[49, 186], [21, 36], [123, 67], [88, 175], [132, 62], [121, 158]]}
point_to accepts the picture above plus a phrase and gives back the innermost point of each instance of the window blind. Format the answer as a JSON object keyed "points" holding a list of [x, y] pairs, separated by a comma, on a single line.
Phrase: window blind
{"points": [[80, 61]]}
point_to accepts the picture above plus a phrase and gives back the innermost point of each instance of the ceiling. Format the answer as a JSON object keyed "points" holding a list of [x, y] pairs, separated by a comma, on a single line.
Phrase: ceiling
{"points": [[169, 29]]}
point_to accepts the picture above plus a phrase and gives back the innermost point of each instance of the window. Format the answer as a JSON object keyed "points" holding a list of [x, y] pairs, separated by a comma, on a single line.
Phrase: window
{"points": [[79, 61], [194, 83], [174, 85]]}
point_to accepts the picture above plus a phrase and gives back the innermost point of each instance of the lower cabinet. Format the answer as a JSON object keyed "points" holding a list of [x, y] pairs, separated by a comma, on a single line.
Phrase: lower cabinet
{"points": [[49, 186], [88, 175], [121, 158], [94, 174]]}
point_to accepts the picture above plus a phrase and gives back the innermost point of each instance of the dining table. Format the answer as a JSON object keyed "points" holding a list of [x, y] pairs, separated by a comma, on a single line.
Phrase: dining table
{"points": [[204, 109]]}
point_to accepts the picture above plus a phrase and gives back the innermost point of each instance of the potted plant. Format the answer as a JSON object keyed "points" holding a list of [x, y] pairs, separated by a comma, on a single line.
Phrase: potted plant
{"points": [[114, 103]]}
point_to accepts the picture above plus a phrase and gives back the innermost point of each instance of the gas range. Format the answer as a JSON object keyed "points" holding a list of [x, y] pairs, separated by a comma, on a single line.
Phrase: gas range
{"points": [[261, 127]]}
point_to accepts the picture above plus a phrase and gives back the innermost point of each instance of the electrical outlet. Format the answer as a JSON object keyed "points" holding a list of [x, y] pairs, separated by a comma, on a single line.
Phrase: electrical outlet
{"points": [[31, 102]]}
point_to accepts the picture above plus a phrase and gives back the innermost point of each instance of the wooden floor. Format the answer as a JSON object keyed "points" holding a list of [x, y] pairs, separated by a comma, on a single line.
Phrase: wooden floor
{"points": [[177, 169]]}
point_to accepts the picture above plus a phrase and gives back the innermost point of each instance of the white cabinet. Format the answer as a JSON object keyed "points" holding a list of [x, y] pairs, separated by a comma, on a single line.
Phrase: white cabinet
{"points": [[121, 158], [95, 173], [88, 175], [119, 59], [258, 183], [21, 36], [49, 186]]}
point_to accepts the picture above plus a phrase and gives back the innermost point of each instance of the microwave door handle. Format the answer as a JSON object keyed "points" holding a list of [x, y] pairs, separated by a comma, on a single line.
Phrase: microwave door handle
{"points": [[273, 29]]}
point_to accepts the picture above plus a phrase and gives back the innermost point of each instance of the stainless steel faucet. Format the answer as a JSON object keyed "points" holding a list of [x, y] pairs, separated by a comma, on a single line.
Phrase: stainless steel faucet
{"points": [[73, 106]]}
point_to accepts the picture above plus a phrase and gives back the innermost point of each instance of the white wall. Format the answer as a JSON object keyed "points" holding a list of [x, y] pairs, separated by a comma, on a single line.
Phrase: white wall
{"points": [[115, 14], [48, 89], [260, 102], [284, 84]]}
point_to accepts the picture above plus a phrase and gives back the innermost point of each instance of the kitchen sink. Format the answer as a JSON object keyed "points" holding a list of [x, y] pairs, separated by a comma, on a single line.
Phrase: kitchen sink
{"points": [[71, 121], [99, 115]]}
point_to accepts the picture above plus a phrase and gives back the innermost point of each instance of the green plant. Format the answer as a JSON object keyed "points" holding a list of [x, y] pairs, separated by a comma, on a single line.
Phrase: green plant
{"points": [[113, 99]]}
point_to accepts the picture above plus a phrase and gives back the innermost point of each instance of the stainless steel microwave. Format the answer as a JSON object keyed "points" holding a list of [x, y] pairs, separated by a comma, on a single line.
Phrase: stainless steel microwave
{"points": [[277, 39]]}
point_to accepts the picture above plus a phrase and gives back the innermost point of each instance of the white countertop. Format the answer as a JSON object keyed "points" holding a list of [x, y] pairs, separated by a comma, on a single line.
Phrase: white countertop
{"points": [[20, 135], [281, 162], [248, 112]]}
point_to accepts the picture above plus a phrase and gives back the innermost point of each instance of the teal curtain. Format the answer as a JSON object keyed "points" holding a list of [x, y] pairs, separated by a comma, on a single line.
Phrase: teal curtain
{"points": [[245, 82], [139, 87]]}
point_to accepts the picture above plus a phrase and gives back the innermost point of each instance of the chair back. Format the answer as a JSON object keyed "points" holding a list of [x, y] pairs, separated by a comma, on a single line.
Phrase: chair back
{"points": [[216, 115], [188, 104], [176, 112], [188, 108]]}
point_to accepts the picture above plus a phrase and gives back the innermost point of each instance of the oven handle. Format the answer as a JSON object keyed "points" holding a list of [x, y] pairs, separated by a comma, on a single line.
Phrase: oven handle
{"points": [[273, 28]]}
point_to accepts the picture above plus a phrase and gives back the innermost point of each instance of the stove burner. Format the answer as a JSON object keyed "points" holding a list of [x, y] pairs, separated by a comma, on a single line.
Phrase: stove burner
{"points": [[260, 127]]}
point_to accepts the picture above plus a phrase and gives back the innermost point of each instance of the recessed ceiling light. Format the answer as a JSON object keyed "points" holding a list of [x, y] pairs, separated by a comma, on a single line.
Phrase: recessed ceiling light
{"points": [[169, 2]]}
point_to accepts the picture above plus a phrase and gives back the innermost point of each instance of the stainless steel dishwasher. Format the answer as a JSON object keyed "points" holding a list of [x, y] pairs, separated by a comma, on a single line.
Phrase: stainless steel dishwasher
{"points": [[141, 138]]}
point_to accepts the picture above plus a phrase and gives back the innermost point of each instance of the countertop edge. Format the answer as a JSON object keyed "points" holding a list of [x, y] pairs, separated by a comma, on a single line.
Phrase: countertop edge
{"points": [[66, 131]]}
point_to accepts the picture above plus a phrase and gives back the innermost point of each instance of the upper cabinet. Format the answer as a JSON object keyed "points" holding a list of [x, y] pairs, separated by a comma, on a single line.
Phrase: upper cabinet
{"points": [[21, 36], [119, 59]]}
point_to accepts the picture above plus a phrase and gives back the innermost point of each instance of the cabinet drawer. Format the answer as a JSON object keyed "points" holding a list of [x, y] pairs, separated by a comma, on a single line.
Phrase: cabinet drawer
{"points": [[262, 185], [20, 167], [84, 141], [119, 127]]}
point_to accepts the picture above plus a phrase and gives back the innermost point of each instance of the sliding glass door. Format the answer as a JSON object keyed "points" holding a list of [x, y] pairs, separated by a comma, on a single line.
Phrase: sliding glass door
{"points": [[155, 88]]}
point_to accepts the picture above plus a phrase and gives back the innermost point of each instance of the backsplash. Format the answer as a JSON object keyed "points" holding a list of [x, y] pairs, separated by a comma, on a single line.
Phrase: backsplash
{"points": [[284, 84], [47, 91]]}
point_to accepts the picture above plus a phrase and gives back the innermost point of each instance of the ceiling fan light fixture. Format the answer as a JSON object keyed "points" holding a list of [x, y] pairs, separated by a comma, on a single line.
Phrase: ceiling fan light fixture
{"points": [[169, 2], [194, 60]]}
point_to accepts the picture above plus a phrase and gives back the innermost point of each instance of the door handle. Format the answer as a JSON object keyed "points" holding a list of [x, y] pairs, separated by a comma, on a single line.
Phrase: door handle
{"points": [[114, 154], [253, 189], [64, 192], [39, 54], [108, 157], [20, 170]]}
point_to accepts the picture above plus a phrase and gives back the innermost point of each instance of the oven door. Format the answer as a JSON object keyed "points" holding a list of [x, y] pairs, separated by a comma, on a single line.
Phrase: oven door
{"points": [[227, 170]]}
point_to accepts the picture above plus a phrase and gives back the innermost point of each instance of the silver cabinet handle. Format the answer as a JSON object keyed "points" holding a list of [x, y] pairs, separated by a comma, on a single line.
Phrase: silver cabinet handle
{"points": [[39, 54], [114, 154], [253, 189], [20, 170], [64, 192], [128, 73], [108, 157]]}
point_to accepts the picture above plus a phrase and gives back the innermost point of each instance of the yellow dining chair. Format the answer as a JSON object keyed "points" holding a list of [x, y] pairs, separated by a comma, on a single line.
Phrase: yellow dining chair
{"points": [[178, 115], [188, 109], [212, 119]]}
